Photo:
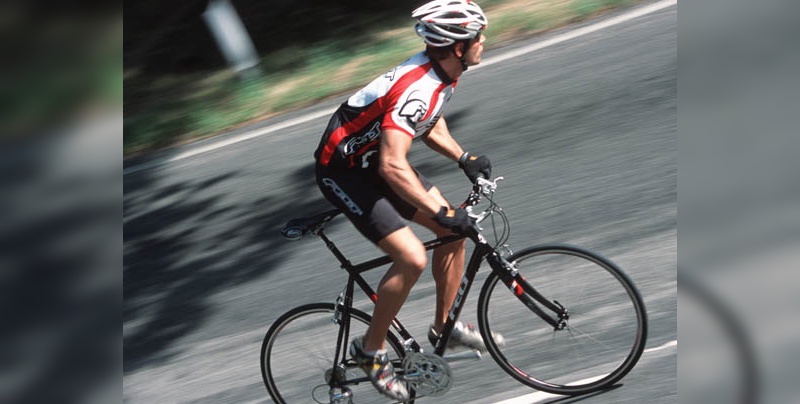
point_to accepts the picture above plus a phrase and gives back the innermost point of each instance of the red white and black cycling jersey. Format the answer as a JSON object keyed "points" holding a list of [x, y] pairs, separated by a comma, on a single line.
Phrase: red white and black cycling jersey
{"points": [[408, 98]]}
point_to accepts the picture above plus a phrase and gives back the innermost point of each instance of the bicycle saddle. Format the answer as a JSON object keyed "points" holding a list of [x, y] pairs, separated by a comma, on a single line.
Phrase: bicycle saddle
{"points": [[298, 228]]}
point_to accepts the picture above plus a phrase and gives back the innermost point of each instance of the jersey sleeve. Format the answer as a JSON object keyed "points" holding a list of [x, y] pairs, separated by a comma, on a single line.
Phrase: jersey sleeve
{"points": [[405, 111]]}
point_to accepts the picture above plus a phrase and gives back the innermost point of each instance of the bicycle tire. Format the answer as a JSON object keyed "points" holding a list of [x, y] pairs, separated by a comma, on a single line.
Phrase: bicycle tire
{"points": [[299, 348], [568, 361]]}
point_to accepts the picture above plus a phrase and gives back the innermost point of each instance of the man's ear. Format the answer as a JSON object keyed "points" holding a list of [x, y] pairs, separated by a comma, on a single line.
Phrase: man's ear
{"points": [[458, 49]]}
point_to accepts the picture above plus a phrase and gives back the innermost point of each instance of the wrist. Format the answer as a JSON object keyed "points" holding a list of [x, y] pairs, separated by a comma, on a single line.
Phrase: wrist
{"points": [[442, 210], [463, 158]]}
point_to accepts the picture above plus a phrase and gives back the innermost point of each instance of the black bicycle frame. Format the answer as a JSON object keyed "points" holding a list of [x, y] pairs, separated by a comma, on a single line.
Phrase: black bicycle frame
{"points": [[345, 301], [499, 265]]}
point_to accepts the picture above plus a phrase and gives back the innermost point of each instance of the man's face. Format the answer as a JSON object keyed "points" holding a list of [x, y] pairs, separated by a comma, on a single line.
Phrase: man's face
{"points": [[475, 51]]}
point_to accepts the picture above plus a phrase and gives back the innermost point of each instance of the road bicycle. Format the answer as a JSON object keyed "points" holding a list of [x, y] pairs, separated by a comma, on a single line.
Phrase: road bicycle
{"points": [[572, 321]]}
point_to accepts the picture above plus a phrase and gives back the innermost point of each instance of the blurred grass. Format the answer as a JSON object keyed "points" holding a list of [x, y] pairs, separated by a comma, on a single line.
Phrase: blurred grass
{"points": [[585, 8], [59, 66], [178, 109]]}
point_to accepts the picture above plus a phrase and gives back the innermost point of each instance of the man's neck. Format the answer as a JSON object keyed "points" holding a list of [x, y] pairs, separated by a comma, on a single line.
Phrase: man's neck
{"points": [[448, 69], [452, 66]]}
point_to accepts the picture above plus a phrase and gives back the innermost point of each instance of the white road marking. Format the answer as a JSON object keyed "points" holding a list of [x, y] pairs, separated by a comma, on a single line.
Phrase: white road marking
{"points": [[227, 142], [639, 12], [578, 33], [662, 347], [541, 395]]}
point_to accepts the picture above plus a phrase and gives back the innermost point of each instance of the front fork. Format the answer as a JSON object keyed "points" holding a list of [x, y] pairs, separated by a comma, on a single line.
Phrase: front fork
{"points": [[522, 289]]}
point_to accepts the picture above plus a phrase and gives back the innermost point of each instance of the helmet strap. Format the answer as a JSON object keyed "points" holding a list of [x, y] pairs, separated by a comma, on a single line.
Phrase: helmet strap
{"points": [[463, 57]]}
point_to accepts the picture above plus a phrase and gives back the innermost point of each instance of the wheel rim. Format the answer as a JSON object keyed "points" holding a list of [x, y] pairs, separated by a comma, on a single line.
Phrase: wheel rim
{"points": [[606, 327], [306, 340]]}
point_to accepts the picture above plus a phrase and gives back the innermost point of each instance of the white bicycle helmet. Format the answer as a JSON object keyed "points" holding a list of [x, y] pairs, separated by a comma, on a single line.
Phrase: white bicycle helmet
{"points": [[443, 22]]}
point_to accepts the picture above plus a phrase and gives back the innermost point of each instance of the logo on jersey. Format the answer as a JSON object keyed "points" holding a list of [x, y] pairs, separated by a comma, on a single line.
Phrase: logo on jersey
{"points": [[354, 145], [391, 73], [414, 109]]}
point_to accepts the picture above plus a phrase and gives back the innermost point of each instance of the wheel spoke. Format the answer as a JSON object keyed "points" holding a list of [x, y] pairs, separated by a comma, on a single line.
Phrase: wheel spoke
{"points": [[606, 327], [298, 352]]}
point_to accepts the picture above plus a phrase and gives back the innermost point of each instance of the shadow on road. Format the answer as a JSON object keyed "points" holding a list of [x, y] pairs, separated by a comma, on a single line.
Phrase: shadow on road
{"points": [[186, 241]]}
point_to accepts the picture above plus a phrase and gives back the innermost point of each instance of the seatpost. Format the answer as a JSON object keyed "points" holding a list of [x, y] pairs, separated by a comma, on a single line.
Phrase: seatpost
{"points": [[335, 250]]}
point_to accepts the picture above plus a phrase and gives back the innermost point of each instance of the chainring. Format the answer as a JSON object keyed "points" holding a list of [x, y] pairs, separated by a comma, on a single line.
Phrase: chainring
{"points": [[427, 374]]}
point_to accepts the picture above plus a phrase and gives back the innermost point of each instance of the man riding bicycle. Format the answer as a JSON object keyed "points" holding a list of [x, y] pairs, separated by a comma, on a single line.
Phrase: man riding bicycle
{"points": [[362, 168]]}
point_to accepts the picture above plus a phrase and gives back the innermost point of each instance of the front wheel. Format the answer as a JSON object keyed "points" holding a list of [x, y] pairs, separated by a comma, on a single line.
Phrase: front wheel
{"points": [[298, 356], [600, 338]]}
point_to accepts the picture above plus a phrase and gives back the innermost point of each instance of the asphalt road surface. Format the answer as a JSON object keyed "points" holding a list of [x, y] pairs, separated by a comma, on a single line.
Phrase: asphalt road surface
{"points": [[584, 132]]}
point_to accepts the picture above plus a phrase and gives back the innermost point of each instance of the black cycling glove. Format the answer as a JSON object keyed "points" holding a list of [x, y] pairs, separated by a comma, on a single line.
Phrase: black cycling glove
{"points": [[475, 166], [456, 220]]}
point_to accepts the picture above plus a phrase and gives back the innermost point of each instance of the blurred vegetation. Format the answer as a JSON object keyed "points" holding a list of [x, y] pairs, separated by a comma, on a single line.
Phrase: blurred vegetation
{"points": [[60, 61], [177, 88]]}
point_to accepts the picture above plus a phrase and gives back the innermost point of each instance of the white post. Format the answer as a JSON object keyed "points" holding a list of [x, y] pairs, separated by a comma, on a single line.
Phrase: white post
{"points": [[231, 35]]}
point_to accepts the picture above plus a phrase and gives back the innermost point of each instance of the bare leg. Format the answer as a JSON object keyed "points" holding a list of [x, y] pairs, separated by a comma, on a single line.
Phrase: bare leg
{"points": [[448, 268], [447, 265], [409, 260]]}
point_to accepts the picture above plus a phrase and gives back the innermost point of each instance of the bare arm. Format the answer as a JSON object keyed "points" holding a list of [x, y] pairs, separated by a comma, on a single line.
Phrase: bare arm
{"points": [[396, 170], [440, 140]]}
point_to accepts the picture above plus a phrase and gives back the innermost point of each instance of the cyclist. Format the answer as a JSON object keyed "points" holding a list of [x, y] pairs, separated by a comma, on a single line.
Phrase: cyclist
{"points": [[362, 168]]}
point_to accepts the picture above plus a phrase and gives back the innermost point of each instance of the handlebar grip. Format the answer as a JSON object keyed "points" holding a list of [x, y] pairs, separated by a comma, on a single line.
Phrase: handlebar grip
{"points": [[476, 185]]}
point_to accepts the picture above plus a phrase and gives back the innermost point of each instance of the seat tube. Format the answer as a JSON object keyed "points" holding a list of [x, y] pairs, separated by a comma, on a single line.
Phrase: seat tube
{"points": [[342, 317]]}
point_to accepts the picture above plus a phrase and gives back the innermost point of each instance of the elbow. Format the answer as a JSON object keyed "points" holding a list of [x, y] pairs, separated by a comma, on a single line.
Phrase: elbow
{"points": [[389, 170]]}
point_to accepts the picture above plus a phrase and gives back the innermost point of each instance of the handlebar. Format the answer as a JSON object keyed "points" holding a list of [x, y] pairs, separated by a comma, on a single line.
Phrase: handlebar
{"points": [[482, 187], [486, 188]]}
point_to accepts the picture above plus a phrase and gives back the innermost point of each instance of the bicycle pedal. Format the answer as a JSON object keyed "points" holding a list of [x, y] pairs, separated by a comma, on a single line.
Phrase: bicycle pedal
{"points": [[465, 355], [338, 395]]}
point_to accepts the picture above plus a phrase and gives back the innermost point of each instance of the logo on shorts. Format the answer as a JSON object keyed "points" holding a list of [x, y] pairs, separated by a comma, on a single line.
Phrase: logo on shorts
{"points": [[342, 196]]}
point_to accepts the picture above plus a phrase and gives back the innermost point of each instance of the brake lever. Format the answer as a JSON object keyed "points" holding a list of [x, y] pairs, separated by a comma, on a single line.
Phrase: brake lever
{"points": [[486, 187], [477, 217]]}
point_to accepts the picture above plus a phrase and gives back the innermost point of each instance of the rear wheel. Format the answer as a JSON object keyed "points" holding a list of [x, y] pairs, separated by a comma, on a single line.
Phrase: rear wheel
{"points": [[602, 338], [297, 356]]}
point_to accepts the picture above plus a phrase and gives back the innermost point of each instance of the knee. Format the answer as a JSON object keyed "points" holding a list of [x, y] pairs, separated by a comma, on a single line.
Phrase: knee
{"points": [[417, 262], [414, 261], [407, 252]]}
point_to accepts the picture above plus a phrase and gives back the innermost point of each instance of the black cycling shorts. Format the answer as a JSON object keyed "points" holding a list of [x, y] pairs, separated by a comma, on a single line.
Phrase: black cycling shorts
{"points": [[367, 200]]}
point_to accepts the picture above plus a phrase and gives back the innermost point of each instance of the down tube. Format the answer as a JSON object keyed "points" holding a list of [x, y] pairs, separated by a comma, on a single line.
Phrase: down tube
{"points": [[461, 297]]}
